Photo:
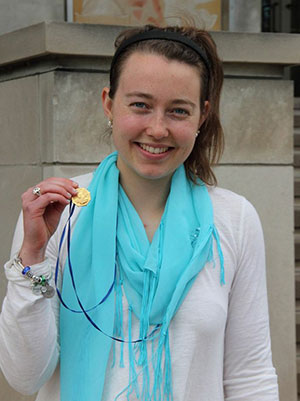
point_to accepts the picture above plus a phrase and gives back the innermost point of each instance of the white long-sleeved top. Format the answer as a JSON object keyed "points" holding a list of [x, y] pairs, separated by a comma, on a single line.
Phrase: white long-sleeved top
{"points": [[219, 338]]}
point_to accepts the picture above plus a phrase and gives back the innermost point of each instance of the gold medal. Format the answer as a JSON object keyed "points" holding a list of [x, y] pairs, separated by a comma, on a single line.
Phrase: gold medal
{"points": [[82, 198]]}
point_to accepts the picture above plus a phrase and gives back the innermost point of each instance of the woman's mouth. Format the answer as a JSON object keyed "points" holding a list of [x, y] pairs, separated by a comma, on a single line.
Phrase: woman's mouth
{"points": [[151, 149]]}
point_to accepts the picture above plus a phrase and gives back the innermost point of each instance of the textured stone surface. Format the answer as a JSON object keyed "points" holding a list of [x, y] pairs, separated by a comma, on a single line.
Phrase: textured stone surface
{"points": [[270, 190], [97, 40], [257, 130], [257, 117], [15, 14], [19, 121], [14, 181], [68, 171], [245, 16], [46, 87], [79, 122]]}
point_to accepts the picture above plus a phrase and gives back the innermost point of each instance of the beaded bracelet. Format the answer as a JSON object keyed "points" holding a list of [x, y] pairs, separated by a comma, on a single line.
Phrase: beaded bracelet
{"points": [[39, 284]]}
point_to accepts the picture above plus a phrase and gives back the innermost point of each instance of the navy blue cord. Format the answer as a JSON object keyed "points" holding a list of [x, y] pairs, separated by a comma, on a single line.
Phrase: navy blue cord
{"points": [[68, 225]]}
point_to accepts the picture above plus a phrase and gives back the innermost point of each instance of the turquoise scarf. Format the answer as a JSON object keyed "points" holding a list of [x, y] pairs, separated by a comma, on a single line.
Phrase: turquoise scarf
{"points": [[155, 278]]}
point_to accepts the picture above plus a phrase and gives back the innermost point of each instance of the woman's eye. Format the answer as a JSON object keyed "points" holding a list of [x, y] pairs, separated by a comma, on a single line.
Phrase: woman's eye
{"points": [[139, 105], [180, 112]]}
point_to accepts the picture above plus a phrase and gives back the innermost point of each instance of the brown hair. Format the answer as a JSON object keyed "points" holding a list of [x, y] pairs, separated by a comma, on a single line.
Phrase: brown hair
{"points": [[209, 144]]}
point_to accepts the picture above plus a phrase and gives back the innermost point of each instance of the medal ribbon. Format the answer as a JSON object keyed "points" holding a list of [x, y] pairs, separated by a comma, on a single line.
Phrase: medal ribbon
{"points": [[67, 228]]}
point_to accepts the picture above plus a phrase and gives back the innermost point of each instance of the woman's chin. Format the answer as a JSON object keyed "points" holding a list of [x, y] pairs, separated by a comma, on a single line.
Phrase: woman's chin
{"points": [[155, 174]]}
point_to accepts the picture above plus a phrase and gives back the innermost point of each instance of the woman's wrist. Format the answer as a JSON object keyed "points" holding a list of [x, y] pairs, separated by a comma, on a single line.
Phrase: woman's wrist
{"points": [[31, 256]]}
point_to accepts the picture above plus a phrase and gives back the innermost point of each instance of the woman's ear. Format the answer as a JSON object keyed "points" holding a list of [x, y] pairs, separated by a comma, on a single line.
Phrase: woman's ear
{"points": [[107, 103], [204, 112]]}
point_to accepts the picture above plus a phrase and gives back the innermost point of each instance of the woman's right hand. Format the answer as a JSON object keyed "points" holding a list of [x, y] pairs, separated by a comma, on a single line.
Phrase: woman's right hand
{"points": [[41, 215]]}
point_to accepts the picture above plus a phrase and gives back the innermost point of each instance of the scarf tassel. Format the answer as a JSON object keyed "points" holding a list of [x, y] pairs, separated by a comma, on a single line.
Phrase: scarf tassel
{"points": [[168, 395], [118, 331], [133, 385]]}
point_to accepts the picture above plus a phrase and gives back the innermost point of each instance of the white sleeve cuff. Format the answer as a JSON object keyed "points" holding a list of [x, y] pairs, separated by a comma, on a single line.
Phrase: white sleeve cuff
{"points": [[39, 269]]}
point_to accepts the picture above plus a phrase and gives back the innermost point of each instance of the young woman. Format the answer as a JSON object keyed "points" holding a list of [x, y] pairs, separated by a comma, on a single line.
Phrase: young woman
{"points": [[162, 292]]}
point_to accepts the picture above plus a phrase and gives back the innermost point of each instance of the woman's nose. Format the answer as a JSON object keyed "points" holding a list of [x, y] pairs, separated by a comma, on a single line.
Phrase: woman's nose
{"points": [[158, 128]]}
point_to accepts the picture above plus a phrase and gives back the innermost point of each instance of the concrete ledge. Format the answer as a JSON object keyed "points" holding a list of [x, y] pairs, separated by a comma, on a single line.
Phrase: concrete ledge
{"points": [[69, 39]]}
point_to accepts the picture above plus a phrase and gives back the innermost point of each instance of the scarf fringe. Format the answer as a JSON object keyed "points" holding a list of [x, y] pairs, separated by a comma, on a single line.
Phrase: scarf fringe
{"points": [[119, 332], [138, 353], [138, 357]]}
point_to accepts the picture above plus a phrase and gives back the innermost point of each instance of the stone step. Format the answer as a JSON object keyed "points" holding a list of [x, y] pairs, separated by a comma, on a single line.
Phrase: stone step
{"points": [[296, 173], [296, 102], [297, 157], [298, 334], [296, 184], [296, 118], [297, 245], [297, 213], [297, 282], [298, 369], [297, 137]]}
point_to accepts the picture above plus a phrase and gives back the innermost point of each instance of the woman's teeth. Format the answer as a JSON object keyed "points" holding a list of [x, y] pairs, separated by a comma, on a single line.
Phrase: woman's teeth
{"points": [[150, 149]]}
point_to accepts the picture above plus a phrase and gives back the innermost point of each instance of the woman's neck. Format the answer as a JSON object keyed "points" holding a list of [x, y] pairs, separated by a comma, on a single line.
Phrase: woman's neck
{"points": [[148, 198]]}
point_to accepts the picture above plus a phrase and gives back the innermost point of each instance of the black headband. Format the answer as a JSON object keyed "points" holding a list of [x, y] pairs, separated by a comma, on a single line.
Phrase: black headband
{"points": [[163, 35]]}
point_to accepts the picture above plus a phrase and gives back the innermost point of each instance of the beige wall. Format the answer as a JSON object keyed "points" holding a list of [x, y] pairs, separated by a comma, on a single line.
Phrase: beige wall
{"points": [[52, 124], [15, 14], [245, 16]]}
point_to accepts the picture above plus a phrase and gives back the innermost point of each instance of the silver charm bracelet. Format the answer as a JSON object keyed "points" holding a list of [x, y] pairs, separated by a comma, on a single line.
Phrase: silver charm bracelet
{"points": [[39, 284]]}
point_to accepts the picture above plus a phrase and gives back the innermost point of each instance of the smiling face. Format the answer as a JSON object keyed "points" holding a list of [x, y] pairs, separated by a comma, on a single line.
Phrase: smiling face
{"points": [[155, 114]]}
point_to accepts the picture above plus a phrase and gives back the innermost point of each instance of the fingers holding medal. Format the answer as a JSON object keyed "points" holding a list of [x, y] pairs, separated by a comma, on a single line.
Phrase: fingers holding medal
{"points": [[43, 205], [60, 191], [55, 186], [52, 191]]}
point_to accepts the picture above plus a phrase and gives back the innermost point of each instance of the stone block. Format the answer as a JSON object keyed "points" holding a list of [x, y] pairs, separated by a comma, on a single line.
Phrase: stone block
{"points": [[270, 190], [67, 171], [19, 118], [14, 181], [245, 17], [15, 14], [79, 124], [46, 87], [257, 117]]}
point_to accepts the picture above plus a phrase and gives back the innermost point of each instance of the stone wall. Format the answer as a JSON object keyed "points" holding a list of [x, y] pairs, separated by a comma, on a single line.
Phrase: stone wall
{"points": [[245, 16], [52, 124], [15, 14]]}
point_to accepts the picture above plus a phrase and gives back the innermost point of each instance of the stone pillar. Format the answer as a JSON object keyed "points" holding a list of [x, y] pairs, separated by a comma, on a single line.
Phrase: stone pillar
{"points": [[15, 14], [245, 16]]}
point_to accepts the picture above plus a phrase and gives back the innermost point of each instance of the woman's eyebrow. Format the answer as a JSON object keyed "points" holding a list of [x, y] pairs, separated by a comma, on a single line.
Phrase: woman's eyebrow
{"points": [[148, 96], [184, 102], [139, 94]]}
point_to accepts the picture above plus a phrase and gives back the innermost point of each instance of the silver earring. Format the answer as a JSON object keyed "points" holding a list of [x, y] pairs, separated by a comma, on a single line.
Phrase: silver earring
{"points": [[110, 124], [197, 133]]}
